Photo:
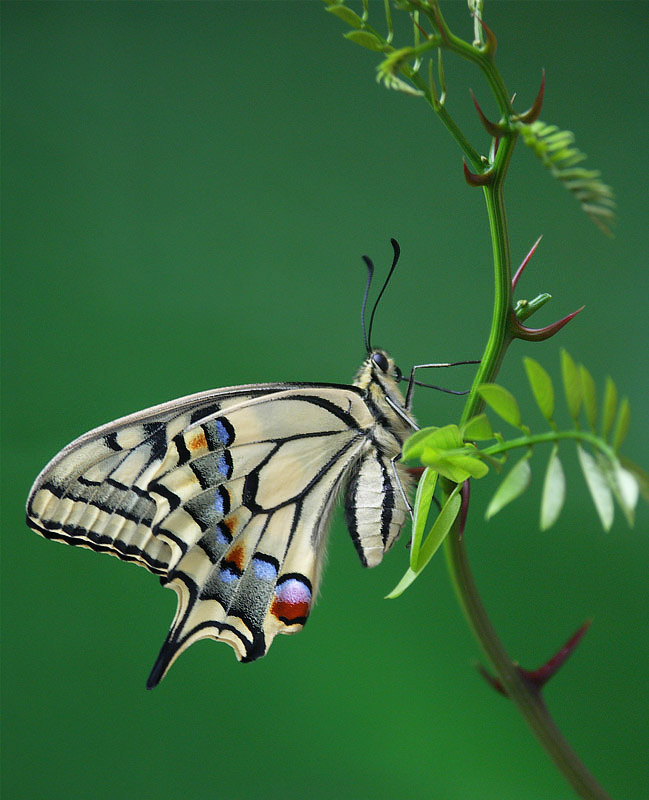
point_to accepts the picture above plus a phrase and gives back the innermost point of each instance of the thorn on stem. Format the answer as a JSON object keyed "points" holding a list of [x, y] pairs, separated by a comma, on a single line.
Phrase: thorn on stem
{"points": [[484, 179], [525, 262], [532, 113], [537, 678], [493, 682], [520, 331], [441, 26], [492, 43], [420, 29], [492, 128]]}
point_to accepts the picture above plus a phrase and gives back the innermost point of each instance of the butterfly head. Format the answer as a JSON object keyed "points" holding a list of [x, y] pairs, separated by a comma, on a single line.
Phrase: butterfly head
{"points": [[383, 365], [379, 372]]}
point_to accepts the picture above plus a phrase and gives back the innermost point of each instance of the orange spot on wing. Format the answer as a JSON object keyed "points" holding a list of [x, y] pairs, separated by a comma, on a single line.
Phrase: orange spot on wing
{"points": [[230, 523], [198, 442], [235, 556]]}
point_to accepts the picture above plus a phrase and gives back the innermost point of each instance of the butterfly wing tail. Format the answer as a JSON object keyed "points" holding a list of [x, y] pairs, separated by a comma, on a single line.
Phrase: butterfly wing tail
{"points": [[250, 587]]}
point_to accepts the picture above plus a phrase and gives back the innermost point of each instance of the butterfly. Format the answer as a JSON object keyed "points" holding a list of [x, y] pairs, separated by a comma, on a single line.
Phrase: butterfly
{"points": [[227, 495]]}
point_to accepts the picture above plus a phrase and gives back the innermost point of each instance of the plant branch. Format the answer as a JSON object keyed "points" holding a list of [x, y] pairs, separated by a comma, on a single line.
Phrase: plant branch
{"points": [[551, 436], [489, 173], [528, 702]]}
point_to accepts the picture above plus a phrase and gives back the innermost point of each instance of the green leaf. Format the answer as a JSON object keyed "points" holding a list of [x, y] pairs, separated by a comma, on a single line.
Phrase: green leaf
{"points": [[440, 529], [554, 491], [365, 39], [415, 445], [436, 536], [571, 384], [622, 483], [409, 577], [346, 14], [639, 474], [447, 437], [557, 151], [609, 407], [541, 385], [423, 499], [626, 492], [622, 424], [598, 487], [590, 396], [456, 465], [478, 429], [514, 484], [444, 451], [503, 402]]}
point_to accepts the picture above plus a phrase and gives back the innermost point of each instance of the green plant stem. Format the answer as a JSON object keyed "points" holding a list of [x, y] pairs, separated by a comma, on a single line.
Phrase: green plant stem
{"points": [[528, 701], [526, 698], [551, 436], [523, 694]]}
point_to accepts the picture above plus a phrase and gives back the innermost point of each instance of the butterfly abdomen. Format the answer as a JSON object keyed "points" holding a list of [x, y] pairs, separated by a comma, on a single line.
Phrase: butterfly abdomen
{"points": [[375, 510]]}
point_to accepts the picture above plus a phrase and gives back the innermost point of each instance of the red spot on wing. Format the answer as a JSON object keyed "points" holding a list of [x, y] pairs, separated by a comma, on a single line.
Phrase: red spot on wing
{"points": [[290, 613]]}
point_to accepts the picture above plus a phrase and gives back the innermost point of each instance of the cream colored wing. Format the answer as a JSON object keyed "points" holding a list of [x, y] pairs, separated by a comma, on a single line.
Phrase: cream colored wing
{"points": [[226, 495]]}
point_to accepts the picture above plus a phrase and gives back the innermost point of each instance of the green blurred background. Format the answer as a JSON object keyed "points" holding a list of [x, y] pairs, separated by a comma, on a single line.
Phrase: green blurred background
{"points": [[188, 189]]}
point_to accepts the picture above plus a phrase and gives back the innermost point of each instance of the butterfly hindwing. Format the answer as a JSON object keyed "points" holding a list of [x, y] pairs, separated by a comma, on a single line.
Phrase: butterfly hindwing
{"points": [[255, 569]]}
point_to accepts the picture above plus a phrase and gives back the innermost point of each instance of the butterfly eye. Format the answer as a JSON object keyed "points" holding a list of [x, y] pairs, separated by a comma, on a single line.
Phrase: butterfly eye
{"points": [[381, 361], [397, 374]]}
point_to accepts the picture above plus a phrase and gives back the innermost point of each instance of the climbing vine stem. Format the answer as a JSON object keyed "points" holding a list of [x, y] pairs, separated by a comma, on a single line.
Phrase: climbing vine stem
{"points": [[525, 696], [400, 70]]}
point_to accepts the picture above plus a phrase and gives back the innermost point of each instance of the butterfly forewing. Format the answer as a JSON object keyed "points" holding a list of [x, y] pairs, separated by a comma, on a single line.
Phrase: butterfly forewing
{"points": [[227, 496]]}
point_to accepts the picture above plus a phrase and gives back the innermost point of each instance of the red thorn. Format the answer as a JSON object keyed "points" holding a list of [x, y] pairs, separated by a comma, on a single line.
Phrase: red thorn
{"points": [[539, 334], [539, 677], [525, 262], [465, 494], [532, 113], [493, 682], [441, 27], [492, 128], [421, 30], [492, 42], [472, 179]]}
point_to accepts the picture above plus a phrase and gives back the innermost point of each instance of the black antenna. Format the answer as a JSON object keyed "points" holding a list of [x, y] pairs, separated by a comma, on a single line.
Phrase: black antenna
{"points": [[370, 273], [367, 335]]}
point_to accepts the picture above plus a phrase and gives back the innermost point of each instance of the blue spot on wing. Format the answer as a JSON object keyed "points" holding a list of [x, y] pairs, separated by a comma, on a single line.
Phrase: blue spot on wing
{"points": [[264, 570], [224, 467], [228, 576], [221, 537], [218, 504], [223, 433]]}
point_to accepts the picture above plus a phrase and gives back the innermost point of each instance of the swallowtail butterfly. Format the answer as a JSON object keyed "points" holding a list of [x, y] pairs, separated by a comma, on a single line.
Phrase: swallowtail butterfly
{"points": [[227, 496]]}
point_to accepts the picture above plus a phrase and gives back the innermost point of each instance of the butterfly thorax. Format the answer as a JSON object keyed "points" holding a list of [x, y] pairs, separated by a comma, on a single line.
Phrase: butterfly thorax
{"points": [[377, 377]]}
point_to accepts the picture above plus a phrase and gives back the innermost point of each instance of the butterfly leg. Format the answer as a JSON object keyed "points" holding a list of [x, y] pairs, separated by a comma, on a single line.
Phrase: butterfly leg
{"points": [[412, 382], [393, 463]]}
